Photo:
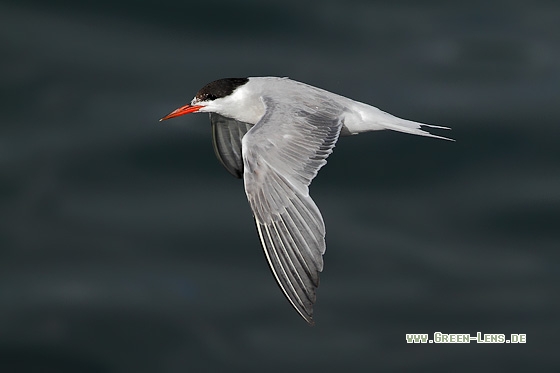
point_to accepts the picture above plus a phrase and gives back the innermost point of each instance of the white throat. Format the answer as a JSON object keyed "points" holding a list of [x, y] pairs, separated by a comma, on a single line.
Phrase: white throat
{"points": [[244, 105]]}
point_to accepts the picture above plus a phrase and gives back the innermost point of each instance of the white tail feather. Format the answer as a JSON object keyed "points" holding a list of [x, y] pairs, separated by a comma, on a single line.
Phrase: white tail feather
{"points": [[414, 128], [364, 118]]}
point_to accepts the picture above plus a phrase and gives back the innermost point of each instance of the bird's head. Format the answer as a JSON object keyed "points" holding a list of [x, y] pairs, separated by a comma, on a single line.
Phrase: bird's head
{"points": [[214, 97]]}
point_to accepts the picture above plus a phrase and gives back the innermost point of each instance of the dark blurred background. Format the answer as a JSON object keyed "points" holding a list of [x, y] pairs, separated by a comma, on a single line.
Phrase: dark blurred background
{"points": [[126, 247]]}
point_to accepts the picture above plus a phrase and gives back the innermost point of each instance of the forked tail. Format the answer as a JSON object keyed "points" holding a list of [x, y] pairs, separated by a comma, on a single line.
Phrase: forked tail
{"points": [[415, 128], [364, 118]]}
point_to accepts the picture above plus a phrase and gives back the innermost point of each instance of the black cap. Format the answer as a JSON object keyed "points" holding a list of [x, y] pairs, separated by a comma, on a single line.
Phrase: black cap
{"points": [[219, 88]]}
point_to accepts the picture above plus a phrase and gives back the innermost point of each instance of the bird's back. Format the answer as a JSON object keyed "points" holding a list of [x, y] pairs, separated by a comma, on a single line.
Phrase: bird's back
{"points": [[356, 117]]}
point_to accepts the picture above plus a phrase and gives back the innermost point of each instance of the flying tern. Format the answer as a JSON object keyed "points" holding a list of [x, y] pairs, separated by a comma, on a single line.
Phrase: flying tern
{"points": [[276, 133]]}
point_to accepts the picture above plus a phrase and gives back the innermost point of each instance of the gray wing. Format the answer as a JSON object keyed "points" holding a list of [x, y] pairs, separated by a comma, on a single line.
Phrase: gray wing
{"points": [[282, 153], [226, 138]]}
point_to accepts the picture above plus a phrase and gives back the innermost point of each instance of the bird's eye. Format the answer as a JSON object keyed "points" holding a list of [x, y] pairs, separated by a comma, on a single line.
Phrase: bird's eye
{"points": [[209, 96]]}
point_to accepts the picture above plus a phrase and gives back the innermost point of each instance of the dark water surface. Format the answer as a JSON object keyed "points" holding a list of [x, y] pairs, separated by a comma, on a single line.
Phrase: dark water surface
{"points": [[126, 247]]}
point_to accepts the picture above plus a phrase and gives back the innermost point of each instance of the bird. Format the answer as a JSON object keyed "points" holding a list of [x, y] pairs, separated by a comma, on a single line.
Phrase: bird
{"points": [[276, 133]]}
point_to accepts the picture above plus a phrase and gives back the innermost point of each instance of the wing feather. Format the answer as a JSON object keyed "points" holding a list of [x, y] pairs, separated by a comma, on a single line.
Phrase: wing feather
{"points": [[282, 153], [227, 134]]}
